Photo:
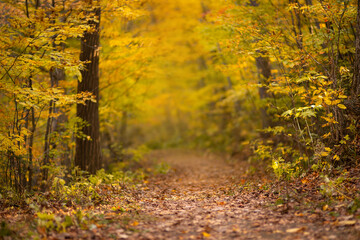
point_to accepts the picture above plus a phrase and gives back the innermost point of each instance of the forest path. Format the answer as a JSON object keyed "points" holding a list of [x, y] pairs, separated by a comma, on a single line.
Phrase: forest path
{"points": [[201, 199]]}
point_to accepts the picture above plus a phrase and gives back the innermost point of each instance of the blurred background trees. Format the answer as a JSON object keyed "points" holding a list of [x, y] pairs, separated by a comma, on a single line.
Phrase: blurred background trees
{"points": [[276, 81]]}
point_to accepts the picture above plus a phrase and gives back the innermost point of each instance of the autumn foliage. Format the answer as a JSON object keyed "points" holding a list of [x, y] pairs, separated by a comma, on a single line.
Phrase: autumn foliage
{"points": [[273, 81]]}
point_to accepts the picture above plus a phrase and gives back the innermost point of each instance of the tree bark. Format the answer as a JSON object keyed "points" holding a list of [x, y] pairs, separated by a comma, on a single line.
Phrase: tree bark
{"points": [[56, 75], [88, 156], [355, 88], [264, 69]]}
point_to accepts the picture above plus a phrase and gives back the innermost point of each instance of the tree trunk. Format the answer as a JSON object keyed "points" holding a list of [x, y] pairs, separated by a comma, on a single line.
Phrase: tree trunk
{"points": [[264, 69], [353, 103], [87, 156], [355, 88], [123, 129], [56, 75]]}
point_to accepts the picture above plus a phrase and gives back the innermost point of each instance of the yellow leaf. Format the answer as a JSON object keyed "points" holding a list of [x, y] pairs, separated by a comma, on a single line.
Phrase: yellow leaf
{"points": [[324, 154], [342, 106], [205, 234], [336, 157], [327, 101], [135, 223], [327, 135], [347, 223], [342, 96], [335, 102]]}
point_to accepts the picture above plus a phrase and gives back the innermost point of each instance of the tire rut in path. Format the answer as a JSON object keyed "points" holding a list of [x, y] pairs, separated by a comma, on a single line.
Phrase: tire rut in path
{"points": [[198, 201]]}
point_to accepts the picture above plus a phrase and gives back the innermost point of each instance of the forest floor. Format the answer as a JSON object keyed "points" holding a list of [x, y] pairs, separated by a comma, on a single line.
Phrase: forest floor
{"points": [[203, 196], [208, 197]]}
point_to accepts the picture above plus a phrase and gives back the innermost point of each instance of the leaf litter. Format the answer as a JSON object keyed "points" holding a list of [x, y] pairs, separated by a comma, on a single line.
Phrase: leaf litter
{"points": [[202, 196]]}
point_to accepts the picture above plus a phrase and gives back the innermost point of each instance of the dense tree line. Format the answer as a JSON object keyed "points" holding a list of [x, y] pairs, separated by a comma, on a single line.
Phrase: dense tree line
{"points": [[82, 81]]}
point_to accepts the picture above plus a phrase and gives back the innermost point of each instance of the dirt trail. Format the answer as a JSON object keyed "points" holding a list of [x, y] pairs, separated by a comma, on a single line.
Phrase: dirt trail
{"points": [[199, 201]]}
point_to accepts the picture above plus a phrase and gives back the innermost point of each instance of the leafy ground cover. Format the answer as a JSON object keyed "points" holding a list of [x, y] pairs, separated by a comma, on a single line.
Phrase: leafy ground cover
{"points": [[195, 196]]}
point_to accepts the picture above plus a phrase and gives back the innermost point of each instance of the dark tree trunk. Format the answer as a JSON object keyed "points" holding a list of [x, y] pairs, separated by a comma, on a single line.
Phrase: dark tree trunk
{"points": [[353, 103], [30, 150], [123, 129], [264, 69], [355, 88], [87, 155]]}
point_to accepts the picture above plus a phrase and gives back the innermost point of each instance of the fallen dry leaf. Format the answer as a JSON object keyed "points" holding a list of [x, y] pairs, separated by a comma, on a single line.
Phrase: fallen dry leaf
{"points": [[122, 236], [205, 234], [347, 223], [135, 223], [295, 230]]}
